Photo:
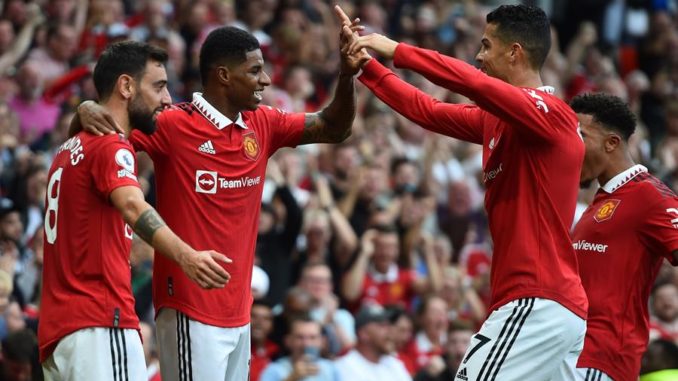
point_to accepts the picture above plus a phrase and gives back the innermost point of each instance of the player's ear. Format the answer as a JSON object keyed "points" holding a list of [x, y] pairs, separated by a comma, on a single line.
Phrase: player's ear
{"points": [[515, 52], [125, 86], [612, 142], [223, 74]]}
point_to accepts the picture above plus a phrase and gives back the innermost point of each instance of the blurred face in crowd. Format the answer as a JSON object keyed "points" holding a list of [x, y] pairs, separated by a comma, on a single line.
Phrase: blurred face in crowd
{"points": [[298, 83], [17, 370], [14, 317], [494, 54], [64, 44], [459, 198], [248, 80], [434, 319], [377, 335], [386, 247], [317, 280], [665, 303], [261, 323], [6, 35], [11, 227], [318, 234], [303, 334], [374, 182], [150, 98], [266, 221], [346, 159], [30, 81], [406, 174], [401, 331], [457, 344], [36, 187]]}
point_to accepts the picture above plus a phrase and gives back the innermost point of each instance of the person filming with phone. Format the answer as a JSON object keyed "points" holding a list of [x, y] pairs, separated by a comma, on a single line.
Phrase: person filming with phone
{"points": [[304, 363]]}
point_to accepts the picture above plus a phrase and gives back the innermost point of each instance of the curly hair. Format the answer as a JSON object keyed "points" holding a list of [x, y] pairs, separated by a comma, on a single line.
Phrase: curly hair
{"points": [[226, 45], [608, 110], [526, 25]]}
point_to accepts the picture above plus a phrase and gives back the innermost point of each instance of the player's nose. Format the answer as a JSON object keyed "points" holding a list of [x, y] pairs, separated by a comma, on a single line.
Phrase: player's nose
{"points": [[166, 99]]}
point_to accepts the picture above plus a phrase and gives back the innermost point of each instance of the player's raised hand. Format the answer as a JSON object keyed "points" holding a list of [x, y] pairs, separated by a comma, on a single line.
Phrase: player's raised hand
{"points": [[350, 63], [375, 41], [96, 120], [202, 268]]}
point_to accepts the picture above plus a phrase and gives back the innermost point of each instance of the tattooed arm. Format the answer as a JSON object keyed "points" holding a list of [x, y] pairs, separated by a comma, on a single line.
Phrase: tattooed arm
{"points": [[333, 123], [200, 266]]}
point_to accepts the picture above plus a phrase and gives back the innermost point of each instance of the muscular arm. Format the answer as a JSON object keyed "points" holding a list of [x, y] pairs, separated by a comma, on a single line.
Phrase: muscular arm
{"points": [[147, 223], [333, 123]]}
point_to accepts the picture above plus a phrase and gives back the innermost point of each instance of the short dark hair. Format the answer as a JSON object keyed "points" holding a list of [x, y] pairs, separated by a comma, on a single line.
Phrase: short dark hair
{"points": [[225, 45], [526, 25], [126, 57], [20, 346], [609, 110]]}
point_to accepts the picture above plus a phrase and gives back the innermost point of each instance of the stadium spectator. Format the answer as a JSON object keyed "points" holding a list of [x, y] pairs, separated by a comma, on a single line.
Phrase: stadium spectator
{"points": [[19, 360], [372, 358], [664, 304], [660, 361], [263, 349], [304, 344], [445, 368]]}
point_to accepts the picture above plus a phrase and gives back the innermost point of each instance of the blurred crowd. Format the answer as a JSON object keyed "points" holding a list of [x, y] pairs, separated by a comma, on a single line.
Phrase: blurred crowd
{"points": [[374, 251]]}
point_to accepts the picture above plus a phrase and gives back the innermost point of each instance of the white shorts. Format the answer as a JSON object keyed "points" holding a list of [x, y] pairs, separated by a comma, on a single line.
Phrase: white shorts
{"points": [[590, 374], [106, 354], [193, 351], [526, 339]]}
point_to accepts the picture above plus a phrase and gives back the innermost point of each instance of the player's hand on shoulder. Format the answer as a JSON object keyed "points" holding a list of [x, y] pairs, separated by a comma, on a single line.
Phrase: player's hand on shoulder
{"points": [[202, 268], [96, 120]]}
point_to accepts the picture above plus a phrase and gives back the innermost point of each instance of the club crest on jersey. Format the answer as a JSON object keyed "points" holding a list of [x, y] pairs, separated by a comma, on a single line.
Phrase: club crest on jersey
{"points": [[250, 146], [606, 210]]}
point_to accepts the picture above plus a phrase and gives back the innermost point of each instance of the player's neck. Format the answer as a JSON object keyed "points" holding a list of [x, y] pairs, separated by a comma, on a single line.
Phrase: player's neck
{"points": [[221, 103], [616, 166], [525, 78], [120, 115]]}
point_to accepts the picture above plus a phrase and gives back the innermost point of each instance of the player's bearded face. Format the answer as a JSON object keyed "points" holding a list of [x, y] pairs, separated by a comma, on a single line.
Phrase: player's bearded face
{"points": [[141, 116]]}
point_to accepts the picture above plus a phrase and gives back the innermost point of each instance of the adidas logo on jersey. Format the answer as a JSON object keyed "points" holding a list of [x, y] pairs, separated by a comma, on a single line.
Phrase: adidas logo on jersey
{"points": [[207, 147], [462, 375]]}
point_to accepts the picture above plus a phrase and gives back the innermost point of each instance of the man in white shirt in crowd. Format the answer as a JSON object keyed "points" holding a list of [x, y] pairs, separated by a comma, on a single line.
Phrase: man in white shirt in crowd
{"points": [[372, 359]]}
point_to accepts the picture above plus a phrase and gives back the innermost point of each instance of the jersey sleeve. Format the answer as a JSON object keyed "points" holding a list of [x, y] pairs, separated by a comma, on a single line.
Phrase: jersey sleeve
{"points": [[458, 121], [114, 166], [284, 129], [534, 113], [155, 144], [661, 228]]}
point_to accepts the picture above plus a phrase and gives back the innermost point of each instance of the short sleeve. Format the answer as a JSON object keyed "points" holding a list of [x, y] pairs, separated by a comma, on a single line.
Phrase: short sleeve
{"points": [[114, 166], [154, 144], [284, 129], [662, 227]]}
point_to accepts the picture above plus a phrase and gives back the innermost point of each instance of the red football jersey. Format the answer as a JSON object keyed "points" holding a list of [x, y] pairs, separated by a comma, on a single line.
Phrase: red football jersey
{"points": [[532, 156], [621, 241], [210, 174], [86, 279], [396, 287]]}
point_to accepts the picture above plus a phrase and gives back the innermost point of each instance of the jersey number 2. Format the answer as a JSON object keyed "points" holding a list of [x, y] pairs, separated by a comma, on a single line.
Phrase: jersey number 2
{"points": [[53, 188]]}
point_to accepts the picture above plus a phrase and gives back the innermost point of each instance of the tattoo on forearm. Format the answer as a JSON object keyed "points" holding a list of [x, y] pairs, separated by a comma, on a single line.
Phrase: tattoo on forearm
{"points": [[147, 224]]}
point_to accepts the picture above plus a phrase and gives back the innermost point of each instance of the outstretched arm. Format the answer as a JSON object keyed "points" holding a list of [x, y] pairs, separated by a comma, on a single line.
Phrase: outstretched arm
{"points": [[525, 108], [458, 121], [333, 123], [200, 266]]}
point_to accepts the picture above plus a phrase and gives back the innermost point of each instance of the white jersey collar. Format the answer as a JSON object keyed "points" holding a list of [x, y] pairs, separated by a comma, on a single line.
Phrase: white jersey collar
{"points": [[218, 119], [390, 276], [547, 89], [618, 181]]}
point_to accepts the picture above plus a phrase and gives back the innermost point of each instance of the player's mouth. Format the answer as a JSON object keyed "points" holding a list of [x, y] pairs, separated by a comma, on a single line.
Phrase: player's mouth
{"points": [[258, 95]]}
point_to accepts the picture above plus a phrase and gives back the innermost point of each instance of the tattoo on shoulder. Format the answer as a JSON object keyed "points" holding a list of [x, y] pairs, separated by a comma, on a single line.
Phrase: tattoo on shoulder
{"points": [[314, 131], [147, 224]]}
